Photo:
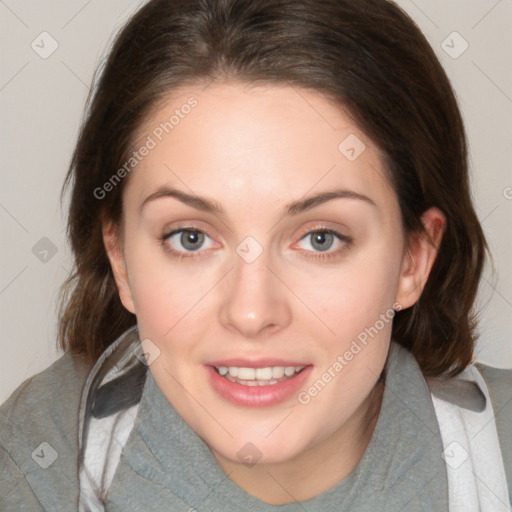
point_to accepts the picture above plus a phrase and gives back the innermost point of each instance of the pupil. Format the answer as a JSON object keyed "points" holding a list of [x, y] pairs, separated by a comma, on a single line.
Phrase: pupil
{"points": [[322, 241], [192, 239]]}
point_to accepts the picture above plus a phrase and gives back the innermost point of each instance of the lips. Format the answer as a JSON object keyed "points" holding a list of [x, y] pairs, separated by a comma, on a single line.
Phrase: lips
{"points": [[256, 394]]}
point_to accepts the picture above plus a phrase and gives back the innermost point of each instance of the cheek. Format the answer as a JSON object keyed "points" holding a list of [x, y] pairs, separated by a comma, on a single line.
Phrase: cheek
{"points": [[351, 297], [166, 302], [162, 292], [173, 302], [352, 329]]}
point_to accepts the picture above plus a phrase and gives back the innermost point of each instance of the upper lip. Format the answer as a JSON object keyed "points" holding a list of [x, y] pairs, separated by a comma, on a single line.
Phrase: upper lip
{"points": [[256, 363]]}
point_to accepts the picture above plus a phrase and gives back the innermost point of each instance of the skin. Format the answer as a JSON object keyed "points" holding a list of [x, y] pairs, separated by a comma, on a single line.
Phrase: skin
{"points": [[254, 150]]}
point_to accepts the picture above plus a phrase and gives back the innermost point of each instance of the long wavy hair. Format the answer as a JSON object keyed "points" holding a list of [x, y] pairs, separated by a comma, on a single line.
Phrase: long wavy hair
{"points": [[366, 55]]}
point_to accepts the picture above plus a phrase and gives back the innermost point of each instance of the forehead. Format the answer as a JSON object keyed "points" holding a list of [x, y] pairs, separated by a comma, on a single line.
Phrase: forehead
{"points": [[232, 141]]}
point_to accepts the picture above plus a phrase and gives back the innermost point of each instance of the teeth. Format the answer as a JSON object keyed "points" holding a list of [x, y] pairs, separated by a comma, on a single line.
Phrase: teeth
{"points": [[245, 373], [251, 382], [278, 372], [263, 373], [259, 374]]}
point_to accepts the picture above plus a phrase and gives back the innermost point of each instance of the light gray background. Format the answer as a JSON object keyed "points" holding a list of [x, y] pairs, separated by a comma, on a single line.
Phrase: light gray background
{"points": [[41, 102]]}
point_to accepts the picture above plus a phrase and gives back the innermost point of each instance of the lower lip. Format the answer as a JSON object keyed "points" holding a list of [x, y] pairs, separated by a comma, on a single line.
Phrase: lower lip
{"points": [[257, 396]]}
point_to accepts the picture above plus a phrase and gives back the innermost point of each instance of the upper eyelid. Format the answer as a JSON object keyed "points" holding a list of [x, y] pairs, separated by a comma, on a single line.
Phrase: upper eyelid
{"points": [[175, 231], [186, 227], [340, 236], [315, 229], [305, 232]]}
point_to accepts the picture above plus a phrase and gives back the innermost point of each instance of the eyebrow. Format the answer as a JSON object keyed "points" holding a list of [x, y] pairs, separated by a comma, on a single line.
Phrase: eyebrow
{"points": [[294, 208], [200, 203], [310, 202]]}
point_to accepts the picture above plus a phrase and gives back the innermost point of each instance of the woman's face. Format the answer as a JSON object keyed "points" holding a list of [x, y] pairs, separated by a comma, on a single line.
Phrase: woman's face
{"points": [[260, 231]]}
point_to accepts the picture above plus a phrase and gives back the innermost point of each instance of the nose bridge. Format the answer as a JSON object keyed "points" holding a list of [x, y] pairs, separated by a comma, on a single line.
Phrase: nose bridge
{"points": [[254, 300]]}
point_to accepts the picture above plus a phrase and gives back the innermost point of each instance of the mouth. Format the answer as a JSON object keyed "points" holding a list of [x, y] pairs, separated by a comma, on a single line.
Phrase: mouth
{"points": [[251, 384], [263, 376]]}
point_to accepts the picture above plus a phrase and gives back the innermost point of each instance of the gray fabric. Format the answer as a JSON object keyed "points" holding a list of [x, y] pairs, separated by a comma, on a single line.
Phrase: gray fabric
{"points": [[459, 392], [44, 408], [166, 466], [499, 383]]}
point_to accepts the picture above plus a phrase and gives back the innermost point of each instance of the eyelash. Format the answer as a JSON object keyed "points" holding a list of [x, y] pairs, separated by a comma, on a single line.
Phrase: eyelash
{"points": [[178, 254], [345, 240], [347, 243]]}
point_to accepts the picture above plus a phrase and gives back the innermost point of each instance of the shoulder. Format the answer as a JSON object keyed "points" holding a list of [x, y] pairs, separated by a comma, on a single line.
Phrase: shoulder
{"points": [[39, 436], [499, 384], [53, 394], [495, 375]]}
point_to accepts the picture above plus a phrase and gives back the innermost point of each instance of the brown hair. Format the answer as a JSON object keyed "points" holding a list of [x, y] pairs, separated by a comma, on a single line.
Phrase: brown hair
{"points": [[369, 57]]}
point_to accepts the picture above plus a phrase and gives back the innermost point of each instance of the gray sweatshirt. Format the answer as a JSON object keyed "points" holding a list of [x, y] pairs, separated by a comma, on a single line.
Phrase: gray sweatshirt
{"points": [[166, 466]]}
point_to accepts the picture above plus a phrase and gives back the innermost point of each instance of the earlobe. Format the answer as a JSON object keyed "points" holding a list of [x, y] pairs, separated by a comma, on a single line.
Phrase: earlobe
{"points": [[112, 242], [419, 257]]}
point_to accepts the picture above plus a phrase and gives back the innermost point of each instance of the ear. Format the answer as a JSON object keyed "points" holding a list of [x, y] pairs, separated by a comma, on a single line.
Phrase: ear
{"points": [[112, 242], [418, 258]]}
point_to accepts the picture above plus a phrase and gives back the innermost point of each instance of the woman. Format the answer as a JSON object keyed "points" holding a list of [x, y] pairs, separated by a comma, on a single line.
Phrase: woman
{"points": [[276, 262]]}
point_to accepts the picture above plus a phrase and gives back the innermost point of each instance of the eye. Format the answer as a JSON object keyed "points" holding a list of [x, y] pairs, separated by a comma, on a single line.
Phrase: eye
{"points": [[324, 240], [187, 240]]}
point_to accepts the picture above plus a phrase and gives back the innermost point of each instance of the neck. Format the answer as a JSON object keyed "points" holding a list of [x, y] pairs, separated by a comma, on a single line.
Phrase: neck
{"points": [[299, 479]]}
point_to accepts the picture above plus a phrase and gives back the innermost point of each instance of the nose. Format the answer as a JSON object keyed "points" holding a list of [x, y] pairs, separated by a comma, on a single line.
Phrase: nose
{"points": [[255, 301]]}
